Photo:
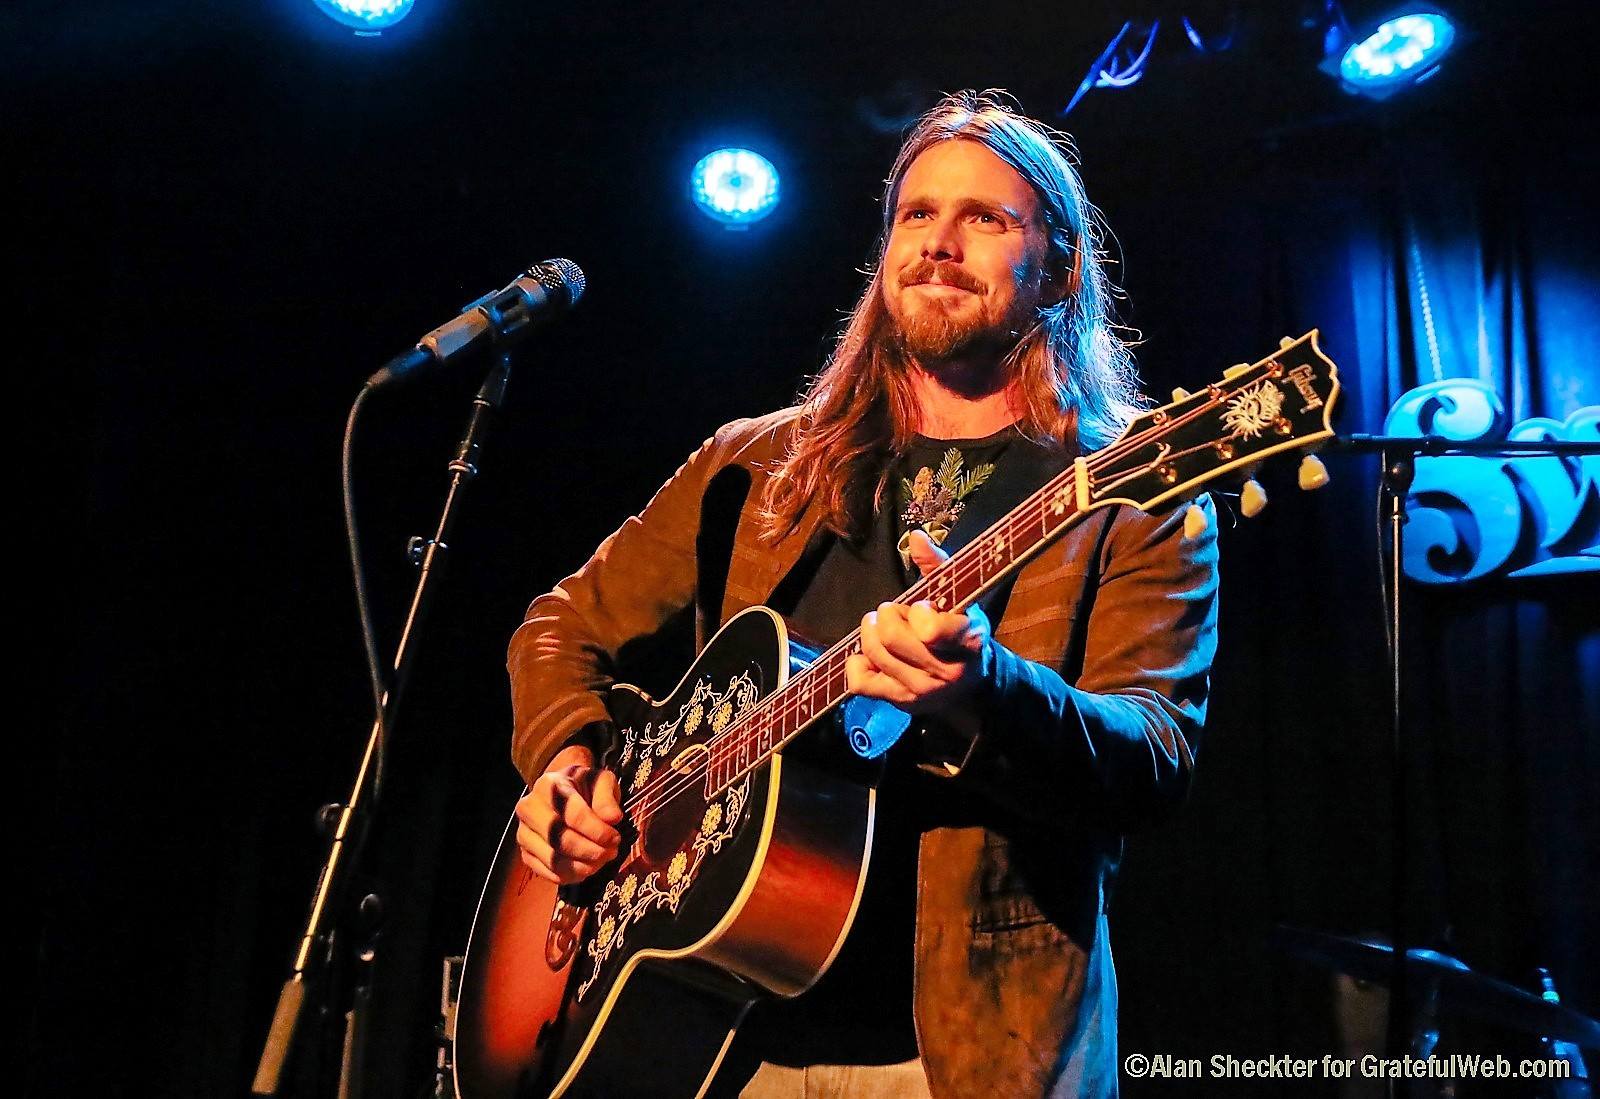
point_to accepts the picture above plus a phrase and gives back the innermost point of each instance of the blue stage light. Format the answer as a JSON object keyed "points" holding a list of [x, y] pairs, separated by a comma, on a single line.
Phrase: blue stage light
{"points": [[366, 15], [734, 186], [1400, 50]]}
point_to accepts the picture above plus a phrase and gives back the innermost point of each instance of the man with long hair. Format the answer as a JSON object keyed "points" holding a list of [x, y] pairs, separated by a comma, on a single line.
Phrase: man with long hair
{"points": [[1050, 719]]}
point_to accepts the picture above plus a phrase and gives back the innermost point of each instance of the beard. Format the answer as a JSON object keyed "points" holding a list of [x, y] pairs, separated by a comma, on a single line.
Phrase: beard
{"points": [[931, 334], [933, 331]]}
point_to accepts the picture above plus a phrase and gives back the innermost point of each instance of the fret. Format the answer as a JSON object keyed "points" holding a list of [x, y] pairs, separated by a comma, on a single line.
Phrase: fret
{"points": [[1017, 526], [996, 554], [774, 732], [714, 771], [1061, 500]]}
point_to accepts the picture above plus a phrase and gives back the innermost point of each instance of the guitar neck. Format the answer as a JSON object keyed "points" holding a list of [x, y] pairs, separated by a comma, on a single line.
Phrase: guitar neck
{"points": [[1276, 405], [956, 584]]}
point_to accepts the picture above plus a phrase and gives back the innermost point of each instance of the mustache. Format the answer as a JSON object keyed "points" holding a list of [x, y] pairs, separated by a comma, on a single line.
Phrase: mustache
{"points": [[948, 274]]}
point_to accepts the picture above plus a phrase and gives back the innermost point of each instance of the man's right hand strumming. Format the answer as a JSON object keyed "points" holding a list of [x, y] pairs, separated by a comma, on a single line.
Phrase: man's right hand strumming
{"points": [[566, 821]]}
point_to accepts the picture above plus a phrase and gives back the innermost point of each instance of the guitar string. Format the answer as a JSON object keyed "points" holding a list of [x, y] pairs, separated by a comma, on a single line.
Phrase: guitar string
{"points": [[787, 702], [959, 568]]}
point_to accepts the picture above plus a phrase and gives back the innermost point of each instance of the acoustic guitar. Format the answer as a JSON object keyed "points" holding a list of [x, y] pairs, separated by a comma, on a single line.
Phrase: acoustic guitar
{"points": [[742, 864]]}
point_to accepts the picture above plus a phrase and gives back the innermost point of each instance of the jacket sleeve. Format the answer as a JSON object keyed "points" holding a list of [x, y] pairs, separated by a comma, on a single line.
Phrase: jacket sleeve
{"points": [[1119, 744], [561, 659]]}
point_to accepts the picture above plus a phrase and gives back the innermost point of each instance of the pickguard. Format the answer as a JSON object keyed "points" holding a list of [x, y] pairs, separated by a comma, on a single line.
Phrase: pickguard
{"points": [[666, 752]]}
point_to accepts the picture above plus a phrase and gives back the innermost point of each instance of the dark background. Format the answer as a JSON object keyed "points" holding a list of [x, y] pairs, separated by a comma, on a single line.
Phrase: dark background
{"points": [[228, 216]]}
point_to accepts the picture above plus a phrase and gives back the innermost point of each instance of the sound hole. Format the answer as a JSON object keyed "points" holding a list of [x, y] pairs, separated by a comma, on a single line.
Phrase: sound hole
{"points": [[675, 820]]}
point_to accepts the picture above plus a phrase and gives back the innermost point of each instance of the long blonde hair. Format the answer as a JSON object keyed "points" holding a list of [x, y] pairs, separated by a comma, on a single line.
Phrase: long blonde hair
{"points": [[1074, 375]]}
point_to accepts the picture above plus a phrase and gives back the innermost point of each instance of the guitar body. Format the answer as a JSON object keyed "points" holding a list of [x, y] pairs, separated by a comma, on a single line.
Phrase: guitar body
{"points": [[632, 983]]}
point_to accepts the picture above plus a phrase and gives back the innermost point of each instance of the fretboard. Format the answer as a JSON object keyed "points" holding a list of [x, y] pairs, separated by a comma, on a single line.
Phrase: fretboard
{"points": [[1008, 544], [1279, 404]]}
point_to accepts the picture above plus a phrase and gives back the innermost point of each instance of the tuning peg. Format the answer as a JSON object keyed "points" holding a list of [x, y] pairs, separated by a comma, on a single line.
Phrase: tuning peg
{"points": [[1235, 370], [1285, 343], [1253, 500], [1180, 394], [1195, 522], [1313, 474]]}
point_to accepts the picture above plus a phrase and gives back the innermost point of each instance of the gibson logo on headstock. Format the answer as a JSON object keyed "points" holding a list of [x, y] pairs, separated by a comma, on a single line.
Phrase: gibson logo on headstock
{"points": [[1301, 377]]}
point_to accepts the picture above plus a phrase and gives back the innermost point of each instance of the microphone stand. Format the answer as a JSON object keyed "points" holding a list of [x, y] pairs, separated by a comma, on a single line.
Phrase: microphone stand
{"points": [[347, 824], [1398, 454]]}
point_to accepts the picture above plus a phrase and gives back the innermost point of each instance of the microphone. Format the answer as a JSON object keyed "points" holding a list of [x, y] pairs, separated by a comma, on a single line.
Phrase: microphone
{"points": [[502, 317]]}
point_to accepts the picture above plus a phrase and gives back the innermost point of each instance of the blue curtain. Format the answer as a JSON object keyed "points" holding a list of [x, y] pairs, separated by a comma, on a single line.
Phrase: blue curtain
{"points": [[1485, 269], [1424, 258]]}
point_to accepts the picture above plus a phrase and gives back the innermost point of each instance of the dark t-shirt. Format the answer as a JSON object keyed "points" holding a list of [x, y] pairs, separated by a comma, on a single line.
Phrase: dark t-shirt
{"points": [[860, 1011]]}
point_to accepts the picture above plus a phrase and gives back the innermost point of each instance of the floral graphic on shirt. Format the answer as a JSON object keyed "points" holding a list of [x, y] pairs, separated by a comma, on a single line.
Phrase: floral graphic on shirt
{"points": [[934, 499]]}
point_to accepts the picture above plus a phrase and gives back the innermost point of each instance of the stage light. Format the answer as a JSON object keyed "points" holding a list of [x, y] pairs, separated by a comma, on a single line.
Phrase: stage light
{"points": [[366, 16], [1400, 49], [1378, 57], [734, 186]]}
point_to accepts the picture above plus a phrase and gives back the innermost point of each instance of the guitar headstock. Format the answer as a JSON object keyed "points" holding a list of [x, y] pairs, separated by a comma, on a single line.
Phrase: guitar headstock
{"points": [[1280, 404]]}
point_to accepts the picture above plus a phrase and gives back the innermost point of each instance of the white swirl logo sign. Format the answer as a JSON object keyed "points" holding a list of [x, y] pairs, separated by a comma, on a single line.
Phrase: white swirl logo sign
{"points": [[1475, 517]]}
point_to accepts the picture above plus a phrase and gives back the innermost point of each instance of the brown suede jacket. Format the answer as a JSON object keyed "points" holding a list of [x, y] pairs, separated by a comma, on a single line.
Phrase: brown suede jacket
{"points": [[1100, 667]]}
